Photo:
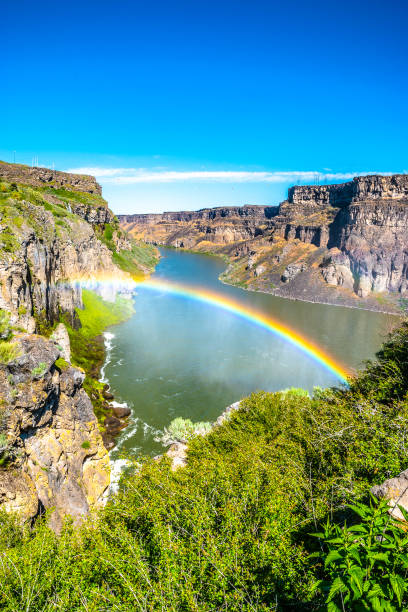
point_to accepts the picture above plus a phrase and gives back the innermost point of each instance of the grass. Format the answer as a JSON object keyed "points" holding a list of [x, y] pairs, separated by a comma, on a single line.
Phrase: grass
{"points": [[87, 349], [99, 314], [137, 260], [231, 530]]}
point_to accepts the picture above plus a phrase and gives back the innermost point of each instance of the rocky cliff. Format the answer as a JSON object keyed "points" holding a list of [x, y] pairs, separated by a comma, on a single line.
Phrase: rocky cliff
{"points": [[58, 459], [343, 244], [55, 229]]}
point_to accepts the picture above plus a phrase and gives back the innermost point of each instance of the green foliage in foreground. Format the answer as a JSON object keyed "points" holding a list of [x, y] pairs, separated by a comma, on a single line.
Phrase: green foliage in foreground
{"points": [[367, 563], [231, 531]]}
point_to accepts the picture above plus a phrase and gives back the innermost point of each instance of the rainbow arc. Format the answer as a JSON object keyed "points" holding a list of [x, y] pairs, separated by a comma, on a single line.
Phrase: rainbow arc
{"points": [[216, 300]]}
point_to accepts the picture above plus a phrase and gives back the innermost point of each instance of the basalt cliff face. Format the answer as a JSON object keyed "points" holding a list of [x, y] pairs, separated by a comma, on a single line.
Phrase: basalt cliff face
{"points": [[59, 460], [341, 244], [55, 229], [48, 236]]}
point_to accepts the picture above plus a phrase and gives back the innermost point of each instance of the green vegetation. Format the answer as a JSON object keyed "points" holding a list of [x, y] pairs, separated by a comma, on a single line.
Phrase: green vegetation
{"points": [[136, 260], [6, 450], [73, 196], [8, 350], [233, 530], [61, 364], [366, 563], [182, 430], [40, 370], [99, 314], [86, 444], [87, 350]]}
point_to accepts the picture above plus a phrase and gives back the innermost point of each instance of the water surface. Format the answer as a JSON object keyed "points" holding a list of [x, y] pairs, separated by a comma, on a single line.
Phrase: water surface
{"points": [[177, 357]]}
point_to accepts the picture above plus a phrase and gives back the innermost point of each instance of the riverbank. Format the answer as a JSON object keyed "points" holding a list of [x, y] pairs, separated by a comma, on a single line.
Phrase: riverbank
{"points": [[88, 348], [179, 357]]}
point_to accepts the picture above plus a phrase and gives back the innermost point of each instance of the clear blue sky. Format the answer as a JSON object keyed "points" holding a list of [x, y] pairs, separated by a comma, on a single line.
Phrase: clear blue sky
{"points": [[181, 104]]}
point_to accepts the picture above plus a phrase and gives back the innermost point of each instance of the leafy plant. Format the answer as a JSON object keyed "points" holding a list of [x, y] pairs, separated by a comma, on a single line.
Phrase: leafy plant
{"points": [[6, 450], [366, 565], [5, 327], [39, 370]]}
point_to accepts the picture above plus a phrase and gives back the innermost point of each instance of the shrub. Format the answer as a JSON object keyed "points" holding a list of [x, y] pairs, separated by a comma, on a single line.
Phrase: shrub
{"points": [[366, 564], [5, 327], [182, 430]]}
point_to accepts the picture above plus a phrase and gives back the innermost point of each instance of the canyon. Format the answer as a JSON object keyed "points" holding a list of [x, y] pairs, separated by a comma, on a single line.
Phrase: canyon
{"points": [[338, 244], [55, 231]]}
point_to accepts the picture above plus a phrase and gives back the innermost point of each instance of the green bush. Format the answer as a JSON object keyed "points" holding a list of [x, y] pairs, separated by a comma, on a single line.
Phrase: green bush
{"points": [[5, 327], [366, 566], [182, 430]]}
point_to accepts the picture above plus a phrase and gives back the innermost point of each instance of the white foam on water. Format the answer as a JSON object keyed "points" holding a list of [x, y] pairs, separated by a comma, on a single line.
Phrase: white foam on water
{"points": [[117, 467], [127, 433], [108, 337], [116, 404]]}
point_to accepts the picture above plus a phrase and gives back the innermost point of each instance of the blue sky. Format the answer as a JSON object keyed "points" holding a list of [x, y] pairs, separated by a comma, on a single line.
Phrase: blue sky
{"points": [[179, 105]]}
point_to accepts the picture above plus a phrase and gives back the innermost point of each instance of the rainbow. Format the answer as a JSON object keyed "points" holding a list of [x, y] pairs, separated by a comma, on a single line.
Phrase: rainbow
{"points": [[251, 315], [213, 299]]}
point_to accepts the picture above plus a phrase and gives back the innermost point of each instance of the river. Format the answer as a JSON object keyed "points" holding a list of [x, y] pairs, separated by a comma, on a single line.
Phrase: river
{"points": [[179, 357]]}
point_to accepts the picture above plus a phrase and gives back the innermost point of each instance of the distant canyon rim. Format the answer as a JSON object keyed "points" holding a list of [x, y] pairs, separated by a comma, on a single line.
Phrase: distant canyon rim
{"points": [[343, 244]]}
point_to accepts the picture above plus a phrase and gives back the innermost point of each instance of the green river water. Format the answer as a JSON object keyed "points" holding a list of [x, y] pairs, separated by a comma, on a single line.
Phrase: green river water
{"points": [[178, 357]]}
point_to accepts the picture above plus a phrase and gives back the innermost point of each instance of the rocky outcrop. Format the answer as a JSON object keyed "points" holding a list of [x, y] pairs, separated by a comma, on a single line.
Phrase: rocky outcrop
{"points": [[351, 236], [57, 459], [39, 177], [395, 490], [56, 232], [33, 278]]}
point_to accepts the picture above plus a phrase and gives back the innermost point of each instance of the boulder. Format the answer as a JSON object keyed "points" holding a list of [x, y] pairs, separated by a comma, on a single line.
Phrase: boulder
{"points": [[61, 339], [291, 271], [396, 491], [121, 411]]}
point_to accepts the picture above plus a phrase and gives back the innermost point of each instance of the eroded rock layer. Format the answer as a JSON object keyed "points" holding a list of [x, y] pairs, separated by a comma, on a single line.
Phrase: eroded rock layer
{"points": [[59, 460], [352, 236]]}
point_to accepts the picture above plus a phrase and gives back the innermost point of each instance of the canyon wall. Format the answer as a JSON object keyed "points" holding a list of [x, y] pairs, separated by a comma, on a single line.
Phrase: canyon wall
{"points": [[351, 236], [59, 460], [55, 229]]}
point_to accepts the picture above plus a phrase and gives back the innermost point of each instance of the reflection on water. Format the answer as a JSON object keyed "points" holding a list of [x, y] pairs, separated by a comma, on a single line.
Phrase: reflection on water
{"points": [[177, 357]]}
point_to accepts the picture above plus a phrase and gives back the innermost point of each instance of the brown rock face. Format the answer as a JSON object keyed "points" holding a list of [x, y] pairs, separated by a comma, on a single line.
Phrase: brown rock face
{"points": [[59, 460], [33, 277], [353, 236], [217, 226]]}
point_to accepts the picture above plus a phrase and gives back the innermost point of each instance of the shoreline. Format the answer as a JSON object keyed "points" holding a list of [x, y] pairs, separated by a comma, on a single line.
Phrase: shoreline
{"points": [[301, 299], [226, 260]]}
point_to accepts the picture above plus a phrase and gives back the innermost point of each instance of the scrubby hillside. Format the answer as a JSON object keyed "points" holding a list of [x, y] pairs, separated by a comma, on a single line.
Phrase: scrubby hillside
{"points": [[232, 529]]}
